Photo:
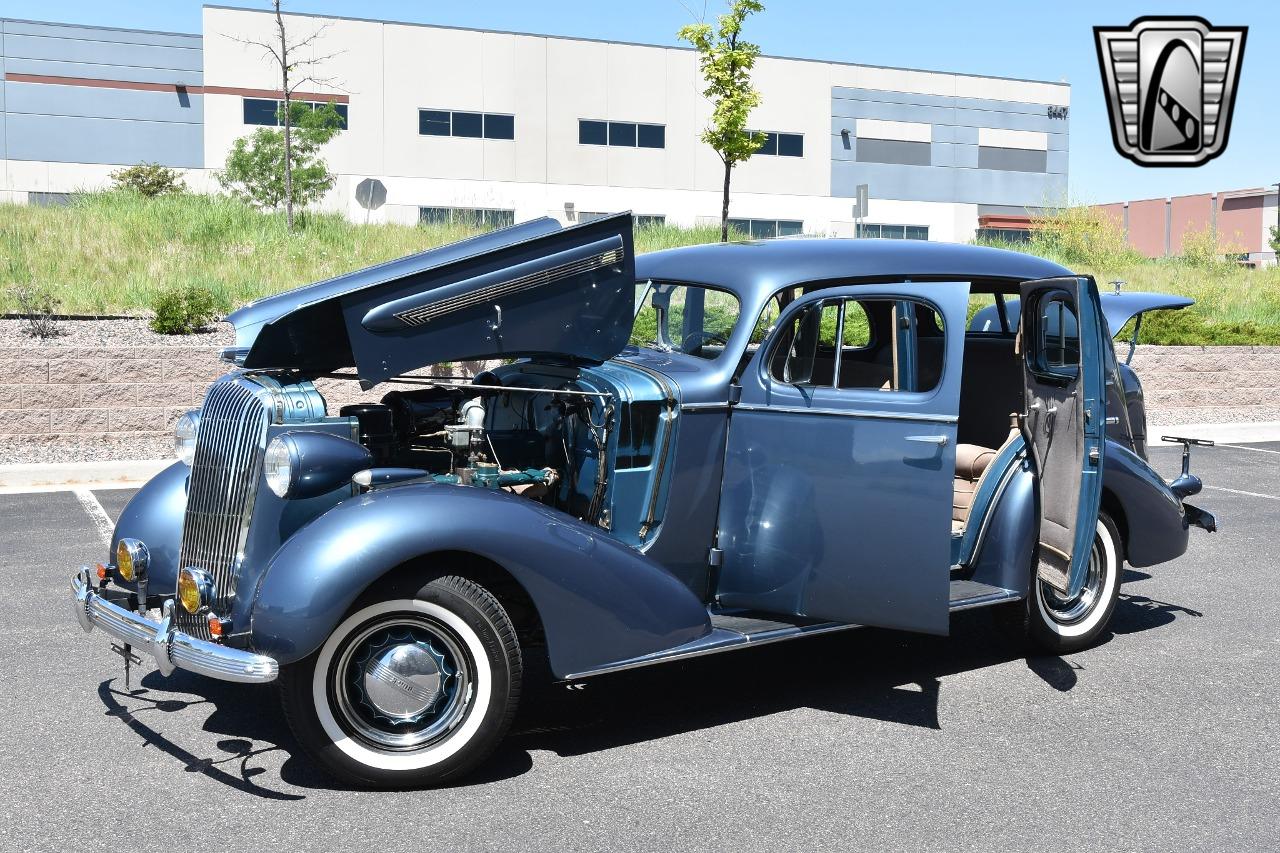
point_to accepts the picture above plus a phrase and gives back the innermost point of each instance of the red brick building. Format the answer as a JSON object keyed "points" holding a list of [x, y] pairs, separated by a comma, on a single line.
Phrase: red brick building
{"points": [[1241, 218]]}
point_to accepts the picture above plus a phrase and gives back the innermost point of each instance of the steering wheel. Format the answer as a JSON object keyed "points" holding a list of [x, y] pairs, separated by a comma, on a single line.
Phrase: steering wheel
{"points": [[697, 339]]}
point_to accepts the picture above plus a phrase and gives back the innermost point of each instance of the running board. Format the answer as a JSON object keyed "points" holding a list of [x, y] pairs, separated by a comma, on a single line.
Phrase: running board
{"points": [[966, 595], [728, 631]]}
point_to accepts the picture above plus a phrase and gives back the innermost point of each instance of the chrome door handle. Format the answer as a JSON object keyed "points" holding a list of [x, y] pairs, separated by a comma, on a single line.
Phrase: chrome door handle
{"points": [[940, 440]]}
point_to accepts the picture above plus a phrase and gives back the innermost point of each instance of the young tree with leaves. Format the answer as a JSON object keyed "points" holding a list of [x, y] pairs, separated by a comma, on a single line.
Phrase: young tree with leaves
{"points": [[272, 168], [726, 61], [295, 68]]}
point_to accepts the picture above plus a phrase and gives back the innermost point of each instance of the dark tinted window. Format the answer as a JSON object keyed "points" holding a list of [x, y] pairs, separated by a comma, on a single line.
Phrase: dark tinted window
{"points": [[499, 127], [468, 124], [770, 145], [651, 136], [433, 122], [593, 132], [476, 217], [261, 111], [622, 133], [790, 145]]}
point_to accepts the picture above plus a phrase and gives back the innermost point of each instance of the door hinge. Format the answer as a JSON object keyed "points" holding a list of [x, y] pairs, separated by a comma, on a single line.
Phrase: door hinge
{"points": [[735, 394], [715, 557]]}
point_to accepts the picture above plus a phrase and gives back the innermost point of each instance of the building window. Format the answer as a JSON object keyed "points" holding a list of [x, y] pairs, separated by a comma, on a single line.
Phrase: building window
{"points": [[466, 125], [266, 111], [1003, 235], [1012, 159], [622, 134], [650, 220], [893, 151], [763, 229], [894, 232], [475, 217], [780, 144]]}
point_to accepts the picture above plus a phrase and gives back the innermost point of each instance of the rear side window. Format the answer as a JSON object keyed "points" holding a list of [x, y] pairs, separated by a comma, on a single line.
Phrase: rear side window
{"points": [[883, 344]]}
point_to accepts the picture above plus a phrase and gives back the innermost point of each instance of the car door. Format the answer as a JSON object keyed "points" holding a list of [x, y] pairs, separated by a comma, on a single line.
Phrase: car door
{"points": [[840, 459], [1062, 341]]}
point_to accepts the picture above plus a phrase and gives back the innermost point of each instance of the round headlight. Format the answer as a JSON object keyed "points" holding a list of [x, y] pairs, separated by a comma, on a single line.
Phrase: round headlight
{"points": [[278, 466], [131, 559], [195, 590], [184, 437]]}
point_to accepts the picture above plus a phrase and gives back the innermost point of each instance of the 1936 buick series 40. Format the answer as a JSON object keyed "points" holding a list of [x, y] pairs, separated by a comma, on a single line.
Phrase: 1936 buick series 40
{"points": [[808, 435]]}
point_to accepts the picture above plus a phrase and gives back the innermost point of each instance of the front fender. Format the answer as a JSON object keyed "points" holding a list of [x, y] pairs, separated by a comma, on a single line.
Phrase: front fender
{"points": [[154, 515], [1157, 528], [599, 601]]}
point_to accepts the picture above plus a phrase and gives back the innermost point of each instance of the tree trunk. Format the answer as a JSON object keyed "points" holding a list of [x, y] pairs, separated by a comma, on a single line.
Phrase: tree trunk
{"points": [[724, 206], [288, 120]]}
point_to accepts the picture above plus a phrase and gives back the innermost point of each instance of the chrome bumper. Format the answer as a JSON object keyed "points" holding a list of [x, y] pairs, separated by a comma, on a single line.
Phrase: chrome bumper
{"points": [[171, 649]]}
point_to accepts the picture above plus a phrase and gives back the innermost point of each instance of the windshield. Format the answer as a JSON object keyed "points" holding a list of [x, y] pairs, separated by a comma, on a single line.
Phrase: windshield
{"points": [[688, 318]]}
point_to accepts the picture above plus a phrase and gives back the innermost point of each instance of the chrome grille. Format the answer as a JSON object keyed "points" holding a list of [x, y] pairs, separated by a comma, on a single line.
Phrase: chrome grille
{"points": [[230, 442]]}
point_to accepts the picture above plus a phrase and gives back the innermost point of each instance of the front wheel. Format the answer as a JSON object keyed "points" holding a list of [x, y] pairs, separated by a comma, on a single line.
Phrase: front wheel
{"points": [[1059, 625], [409, 690]]}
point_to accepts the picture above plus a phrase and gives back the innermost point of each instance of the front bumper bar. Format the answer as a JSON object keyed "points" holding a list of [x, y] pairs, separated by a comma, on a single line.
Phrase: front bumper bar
{"points": [[172, 649]]}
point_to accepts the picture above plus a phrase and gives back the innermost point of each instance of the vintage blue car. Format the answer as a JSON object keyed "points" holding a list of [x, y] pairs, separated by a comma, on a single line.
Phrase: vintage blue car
{"points": [[683, 453]]}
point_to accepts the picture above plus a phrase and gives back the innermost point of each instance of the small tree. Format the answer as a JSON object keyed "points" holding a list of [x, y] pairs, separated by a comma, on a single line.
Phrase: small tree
{"points": [[1275, 239], [270, 168], [149, 179], [726, 62], [294, 72]]}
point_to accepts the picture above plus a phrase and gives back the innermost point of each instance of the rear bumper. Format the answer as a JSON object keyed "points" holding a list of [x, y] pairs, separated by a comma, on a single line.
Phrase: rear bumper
{"points": [[172, 649]]}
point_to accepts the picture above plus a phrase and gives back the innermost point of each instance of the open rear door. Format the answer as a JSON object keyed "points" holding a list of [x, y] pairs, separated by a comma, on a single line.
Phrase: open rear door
{"points": [[1065, 420]]}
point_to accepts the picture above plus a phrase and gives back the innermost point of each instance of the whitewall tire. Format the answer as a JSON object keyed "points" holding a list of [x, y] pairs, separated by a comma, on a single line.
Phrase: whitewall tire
{"points": [[409, 690]]}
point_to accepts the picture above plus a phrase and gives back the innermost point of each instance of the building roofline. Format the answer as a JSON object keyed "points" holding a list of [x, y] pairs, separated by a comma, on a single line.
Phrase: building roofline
{"points": [[627, 43], [1245, 192], [101, 27]]}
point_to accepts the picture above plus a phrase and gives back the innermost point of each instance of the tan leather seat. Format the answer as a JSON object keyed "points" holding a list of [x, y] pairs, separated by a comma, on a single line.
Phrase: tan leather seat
{"points": [[972, 461]]}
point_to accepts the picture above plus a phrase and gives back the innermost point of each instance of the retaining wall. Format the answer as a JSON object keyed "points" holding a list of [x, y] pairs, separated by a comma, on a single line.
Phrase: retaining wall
{"points": [[62, 404]]}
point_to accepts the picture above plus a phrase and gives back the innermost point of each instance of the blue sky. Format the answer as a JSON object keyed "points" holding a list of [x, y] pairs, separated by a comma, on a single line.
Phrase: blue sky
{"points": [[1037, 40]]}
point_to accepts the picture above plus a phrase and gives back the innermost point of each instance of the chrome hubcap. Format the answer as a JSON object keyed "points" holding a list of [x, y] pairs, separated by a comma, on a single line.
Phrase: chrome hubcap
{"points": [[1068, 611], [402, 682]]}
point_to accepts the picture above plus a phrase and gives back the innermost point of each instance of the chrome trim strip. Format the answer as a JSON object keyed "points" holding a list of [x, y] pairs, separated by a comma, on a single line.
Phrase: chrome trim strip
{"points": [[860, 413], [985, 600], [734, 640], [705, 407], [169, 647]]}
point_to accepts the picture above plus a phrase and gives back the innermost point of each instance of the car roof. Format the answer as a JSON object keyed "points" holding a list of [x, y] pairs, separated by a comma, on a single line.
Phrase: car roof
{"points": [[756, 269]]}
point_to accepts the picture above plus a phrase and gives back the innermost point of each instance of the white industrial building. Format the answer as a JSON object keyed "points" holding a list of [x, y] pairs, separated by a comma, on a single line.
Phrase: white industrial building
{"points": [[508, 126]]}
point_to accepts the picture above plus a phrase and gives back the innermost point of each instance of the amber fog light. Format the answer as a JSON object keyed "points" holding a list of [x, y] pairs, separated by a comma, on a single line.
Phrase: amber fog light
{"points": [[132, 559], [195, 590]]}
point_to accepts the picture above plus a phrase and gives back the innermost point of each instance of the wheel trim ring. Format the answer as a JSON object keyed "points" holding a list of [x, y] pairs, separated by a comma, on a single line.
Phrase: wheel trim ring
{"points": [[445, 720], [1075, 610], [421, 758]]}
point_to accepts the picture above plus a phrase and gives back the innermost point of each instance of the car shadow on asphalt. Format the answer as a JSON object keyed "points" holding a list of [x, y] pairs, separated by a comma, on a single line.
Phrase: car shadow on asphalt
{"points": [[871, 673]]}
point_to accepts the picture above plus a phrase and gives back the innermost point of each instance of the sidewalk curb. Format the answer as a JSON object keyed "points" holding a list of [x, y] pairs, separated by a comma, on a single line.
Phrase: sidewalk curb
{"points": [[53, 476], [1234, 433]]}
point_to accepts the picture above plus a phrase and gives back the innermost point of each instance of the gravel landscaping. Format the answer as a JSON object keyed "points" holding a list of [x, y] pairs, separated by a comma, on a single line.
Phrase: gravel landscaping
{"points": [[112, 333]]}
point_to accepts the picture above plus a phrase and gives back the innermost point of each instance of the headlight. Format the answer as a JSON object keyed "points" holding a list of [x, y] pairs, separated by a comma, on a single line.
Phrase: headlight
{"points": [[195, 590], [131, 559], [278, 466], [184, 437]]}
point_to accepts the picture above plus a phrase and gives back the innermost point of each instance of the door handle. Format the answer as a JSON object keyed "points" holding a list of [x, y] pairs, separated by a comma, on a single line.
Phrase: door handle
{"points": [[940, 440]]}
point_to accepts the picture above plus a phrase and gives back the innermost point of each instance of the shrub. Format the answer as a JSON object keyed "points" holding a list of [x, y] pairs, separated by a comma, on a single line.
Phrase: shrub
{"points": [[182, 310], [39, 308], [1203, 250], [1082, 236], [149, 179]]}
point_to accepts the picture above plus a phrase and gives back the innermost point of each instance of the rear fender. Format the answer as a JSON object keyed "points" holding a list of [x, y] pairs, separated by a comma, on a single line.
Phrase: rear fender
{"points": [[599, 601], [1155, 526]]}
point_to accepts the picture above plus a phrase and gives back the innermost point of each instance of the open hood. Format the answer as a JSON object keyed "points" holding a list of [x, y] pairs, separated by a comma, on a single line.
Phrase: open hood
{"points": [[534, 289], [1118, 308]]}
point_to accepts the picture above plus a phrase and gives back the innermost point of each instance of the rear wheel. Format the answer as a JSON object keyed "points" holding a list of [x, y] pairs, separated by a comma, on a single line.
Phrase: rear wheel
{"points": [[408, 691], [1054, 623]]}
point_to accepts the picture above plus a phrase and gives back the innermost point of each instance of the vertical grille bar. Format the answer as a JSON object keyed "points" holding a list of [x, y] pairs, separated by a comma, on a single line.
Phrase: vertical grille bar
{"points": [[224, 476]]}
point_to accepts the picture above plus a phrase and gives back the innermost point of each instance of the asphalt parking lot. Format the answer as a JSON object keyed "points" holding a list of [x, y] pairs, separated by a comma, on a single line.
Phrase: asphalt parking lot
{"points": [[1163, 737]]}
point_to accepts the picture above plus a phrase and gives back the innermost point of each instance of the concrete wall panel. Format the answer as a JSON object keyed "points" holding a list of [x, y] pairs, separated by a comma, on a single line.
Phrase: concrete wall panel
{"points": [[1147, 226]]}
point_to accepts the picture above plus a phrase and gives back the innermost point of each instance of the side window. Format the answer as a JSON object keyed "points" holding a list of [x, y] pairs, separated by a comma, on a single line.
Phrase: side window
{"points": [[1057, 336], [884, 345]]}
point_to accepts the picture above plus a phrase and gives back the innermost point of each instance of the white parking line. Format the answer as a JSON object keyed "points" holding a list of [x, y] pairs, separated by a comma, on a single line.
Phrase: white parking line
{"points": [[1242, 492], [1247, 447], [97, 514]]}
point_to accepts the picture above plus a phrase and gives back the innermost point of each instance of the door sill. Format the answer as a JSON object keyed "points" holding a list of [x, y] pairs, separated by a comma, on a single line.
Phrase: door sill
{"points": [[967, 595]]}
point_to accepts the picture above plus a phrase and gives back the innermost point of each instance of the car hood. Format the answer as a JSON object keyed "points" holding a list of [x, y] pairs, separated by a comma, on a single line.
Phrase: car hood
{"points": [[531, 290], [1118, 308]]}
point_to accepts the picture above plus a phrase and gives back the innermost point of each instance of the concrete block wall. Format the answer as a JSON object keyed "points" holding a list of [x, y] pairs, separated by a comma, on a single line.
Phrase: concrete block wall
{"points": [[71, 404]]}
